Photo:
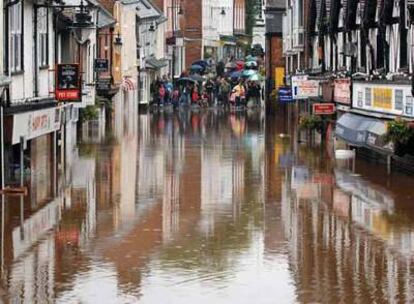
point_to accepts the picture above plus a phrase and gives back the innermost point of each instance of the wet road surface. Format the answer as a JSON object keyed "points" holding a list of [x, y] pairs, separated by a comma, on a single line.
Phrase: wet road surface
{"points": [[210, 207]]}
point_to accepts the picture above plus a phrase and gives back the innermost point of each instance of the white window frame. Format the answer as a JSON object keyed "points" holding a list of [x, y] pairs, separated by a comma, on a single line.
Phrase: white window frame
{"points": [[43, 32], [15, 16]]}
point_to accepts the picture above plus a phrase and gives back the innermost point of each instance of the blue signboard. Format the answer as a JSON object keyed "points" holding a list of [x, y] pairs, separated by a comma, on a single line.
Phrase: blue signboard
{"points": [[285, 94]]}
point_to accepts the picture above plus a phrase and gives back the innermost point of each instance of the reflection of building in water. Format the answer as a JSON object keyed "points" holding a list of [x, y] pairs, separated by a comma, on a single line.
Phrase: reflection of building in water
{"points": [[332, 261], [170, 206], [32, 277], [216, 186], [84, 193]]}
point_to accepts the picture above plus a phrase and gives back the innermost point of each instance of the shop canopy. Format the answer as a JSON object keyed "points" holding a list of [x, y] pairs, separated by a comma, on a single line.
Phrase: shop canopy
{"points": [[355, 129]]}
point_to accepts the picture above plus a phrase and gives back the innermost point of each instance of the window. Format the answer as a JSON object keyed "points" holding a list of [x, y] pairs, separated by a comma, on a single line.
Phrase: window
{"points": [[368, 97], [359, 99], [42, 26], [399, 100], [15, 37]]}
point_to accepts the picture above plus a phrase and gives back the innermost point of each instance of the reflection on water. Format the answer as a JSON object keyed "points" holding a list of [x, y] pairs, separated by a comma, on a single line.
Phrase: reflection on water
{"points": [[209, 207]]}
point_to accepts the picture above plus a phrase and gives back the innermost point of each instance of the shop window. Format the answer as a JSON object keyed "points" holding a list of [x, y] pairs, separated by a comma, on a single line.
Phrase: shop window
{"points": [[15, 37], [42, 25], [398, 100], [359, 100], [409, 105], [368, 97]]}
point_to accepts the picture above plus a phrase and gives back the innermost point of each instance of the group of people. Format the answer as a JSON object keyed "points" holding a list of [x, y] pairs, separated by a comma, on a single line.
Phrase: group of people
{"points": [[210, 92]]}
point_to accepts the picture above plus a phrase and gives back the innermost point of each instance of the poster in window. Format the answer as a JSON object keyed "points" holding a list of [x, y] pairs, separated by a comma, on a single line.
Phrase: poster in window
{"points": [[68, 82]]}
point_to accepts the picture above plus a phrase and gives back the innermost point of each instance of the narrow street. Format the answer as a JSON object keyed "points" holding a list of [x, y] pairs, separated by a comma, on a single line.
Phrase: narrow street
{"points": [[210, 207]]}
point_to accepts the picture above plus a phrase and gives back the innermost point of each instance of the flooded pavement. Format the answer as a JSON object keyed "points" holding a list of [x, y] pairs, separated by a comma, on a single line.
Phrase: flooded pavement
{"points": [[209, 207]]}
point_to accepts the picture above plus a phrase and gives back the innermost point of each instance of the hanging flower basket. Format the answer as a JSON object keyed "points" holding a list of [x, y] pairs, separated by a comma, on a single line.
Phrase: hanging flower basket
{"points": [[311, 122]]}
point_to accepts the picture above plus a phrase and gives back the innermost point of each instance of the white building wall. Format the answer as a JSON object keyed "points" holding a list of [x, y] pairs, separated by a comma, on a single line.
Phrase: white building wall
{"points": [[22, 83], [129, 47]]}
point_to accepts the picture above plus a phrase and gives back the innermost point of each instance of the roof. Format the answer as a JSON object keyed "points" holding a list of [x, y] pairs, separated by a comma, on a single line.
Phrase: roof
{"points": [[147, 10]]}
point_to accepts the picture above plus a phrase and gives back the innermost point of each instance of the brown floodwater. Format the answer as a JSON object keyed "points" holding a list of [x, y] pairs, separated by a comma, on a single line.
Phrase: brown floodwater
{"points": [[210, 207]]}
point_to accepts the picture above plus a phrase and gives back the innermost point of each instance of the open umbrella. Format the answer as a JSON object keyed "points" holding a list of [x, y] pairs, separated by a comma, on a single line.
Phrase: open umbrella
{"points": [[239, 65], [251, 58], [235, 74], [203, 63], [256, 77], [197, 77], [197, 68], [248, 73], [185, 79], [251, 64]]}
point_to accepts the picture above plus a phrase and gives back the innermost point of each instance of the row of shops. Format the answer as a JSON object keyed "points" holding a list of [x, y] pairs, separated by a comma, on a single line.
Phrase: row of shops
{"points": [[359, 110]]}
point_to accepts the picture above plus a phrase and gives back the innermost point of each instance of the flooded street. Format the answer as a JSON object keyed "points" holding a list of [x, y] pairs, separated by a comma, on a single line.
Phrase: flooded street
{"points": [[209, 207]]}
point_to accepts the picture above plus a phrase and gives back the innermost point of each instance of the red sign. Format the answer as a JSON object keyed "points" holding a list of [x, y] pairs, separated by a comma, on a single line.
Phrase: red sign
{"points": [[323, 108], [68, 84]]}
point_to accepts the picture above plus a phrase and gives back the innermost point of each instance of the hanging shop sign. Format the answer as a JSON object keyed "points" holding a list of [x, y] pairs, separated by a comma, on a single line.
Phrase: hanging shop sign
{"points": [[395, 99], [285, 94], [34, 124], [68, 84], [342, 91], [103, 85], [302, 88], [323, 108], [101, 65]]}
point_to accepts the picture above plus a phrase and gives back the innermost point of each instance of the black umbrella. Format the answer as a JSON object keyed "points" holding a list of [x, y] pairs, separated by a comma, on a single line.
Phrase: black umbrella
{"points": [[186, 79], [196, 77]]}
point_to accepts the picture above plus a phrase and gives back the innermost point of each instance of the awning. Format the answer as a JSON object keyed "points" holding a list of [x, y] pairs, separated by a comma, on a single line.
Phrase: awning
{"points": [[364, 131], [153, 63], [354, 128]]}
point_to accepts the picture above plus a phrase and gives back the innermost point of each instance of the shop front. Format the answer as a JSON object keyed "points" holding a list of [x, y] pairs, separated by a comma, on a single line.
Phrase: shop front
{"points": [[34, 136]]}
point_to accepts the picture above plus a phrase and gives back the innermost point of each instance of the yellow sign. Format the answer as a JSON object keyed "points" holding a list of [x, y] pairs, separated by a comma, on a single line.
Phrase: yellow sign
{"points": [[279, 77], [382, 98]]}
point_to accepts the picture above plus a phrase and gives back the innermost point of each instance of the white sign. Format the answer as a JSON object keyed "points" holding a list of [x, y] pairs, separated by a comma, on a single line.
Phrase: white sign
{"points": [[342, 91], [35, 124], [303, 88], [395, 99]]}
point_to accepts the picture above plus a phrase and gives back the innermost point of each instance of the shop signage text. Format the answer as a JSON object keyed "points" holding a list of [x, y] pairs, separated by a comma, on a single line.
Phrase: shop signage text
{"points": [[323, 108], [395, 99], [68, 82], [36, 123], [101, 65], [303, 88], [342, 91], [285, 94]]}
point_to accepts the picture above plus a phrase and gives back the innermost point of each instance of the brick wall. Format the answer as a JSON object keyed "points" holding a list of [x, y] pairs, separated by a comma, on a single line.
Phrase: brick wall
{"points": [[191, 23], [159, 4], [274, 55]]}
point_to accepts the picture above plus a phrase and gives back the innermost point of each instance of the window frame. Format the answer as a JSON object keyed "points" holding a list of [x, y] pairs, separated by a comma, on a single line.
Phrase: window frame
{"points": [[15, 20], [43, 38]]}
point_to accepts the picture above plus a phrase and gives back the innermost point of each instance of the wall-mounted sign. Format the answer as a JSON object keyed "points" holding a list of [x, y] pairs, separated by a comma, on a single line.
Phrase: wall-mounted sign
{"points": [[68, 82], [323, 108], [395, 99], [101, 65], [342, 91], [302, 88], [103, 85], [36, 123], [285, 94]]}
